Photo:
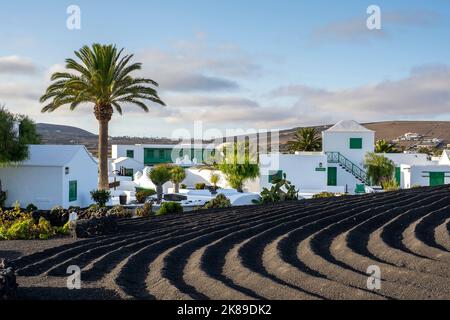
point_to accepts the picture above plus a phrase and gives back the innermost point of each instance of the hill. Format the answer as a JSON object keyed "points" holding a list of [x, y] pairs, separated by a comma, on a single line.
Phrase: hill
{"points": [[389, 130]]}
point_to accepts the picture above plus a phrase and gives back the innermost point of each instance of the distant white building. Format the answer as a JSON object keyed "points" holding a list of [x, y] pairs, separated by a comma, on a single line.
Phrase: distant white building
{"points": [[53, 175]]}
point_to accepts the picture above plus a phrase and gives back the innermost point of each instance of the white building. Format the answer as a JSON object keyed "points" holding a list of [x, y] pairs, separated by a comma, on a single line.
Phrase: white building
{"points": [[339, 167], [53, 175]]}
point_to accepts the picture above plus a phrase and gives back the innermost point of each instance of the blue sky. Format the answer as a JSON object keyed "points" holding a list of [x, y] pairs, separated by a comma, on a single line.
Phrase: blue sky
{"points": [[240, 64]]}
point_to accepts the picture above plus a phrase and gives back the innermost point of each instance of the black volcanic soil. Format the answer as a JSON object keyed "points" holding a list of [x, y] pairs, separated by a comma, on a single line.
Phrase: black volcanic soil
{"points": [[310, 249]]}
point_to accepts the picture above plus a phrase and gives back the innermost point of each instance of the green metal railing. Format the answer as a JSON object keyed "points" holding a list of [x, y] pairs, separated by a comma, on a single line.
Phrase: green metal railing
{"points": [[337, 157]]}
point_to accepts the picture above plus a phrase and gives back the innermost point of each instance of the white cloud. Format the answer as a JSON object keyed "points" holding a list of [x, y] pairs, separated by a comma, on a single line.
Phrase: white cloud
{"points": [[16, 65]]}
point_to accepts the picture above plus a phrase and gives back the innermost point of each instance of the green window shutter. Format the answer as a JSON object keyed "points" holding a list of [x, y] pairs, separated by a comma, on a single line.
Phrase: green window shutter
{"points": [[437, 179], [130, 153], [332, 176], [355, 143], [73, 191], [398, 175], [275, 174], [149, 156], [128, 172]]}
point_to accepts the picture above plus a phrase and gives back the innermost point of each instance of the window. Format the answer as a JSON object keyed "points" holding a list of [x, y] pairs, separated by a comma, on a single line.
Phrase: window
{"points": [[275, 175], [128, 172], [130, 153], [355, 143], [72, 190]]}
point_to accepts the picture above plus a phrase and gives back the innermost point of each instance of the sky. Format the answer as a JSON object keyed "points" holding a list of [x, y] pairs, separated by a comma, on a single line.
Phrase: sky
{"points": [[225, 65]]}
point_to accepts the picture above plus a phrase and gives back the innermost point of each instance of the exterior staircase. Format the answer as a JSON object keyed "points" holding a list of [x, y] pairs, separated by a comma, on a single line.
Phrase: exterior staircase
{"points": [[347, 165]]}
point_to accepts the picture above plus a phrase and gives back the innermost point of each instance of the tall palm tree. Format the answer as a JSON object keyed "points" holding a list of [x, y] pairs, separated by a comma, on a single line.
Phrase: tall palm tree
{"points": [[379, 168], [305, 139], [383, 146], [101, 77]]}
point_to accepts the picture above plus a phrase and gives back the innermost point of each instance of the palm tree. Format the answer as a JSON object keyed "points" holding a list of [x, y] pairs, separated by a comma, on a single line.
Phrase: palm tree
{"points": [[101, 77], [383, 146], [379, 168], [305, 139], [178, 174], [159, 175]]}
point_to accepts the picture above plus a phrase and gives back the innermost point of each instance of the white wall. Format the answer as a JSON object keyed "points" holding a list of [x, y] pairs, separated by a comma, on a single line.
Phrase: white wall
{"points": [[118, 151], [336, 141], [418, 175], [85, 171], [300, 169], [408, 158], [38, 185], [128, 163]]}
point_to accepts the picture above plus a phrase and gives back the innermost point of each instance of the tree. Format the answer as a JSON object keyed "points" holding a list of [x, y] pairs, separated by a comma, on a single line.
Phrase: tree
{"points": [[159, 175], [14, 144], [383, 146], [178, 174], [305, 139], [16, 133], [239, 164], [101, 77], [378, 168]]}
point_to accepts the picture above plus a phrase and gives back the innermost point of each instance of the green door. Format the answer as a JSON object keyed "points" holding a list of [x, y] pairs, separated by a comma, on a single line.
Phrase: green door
{"points": [[437, 178], [332, 176], [398, 175]]}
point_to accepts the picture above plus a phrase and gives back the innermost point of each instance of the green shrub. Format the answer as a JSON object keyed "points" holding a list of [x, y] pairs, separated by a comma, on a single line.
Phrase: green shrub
{"points": [[281, 190], [390, 185], [101, 197], [200, 186], [144, 211], [142, 195], [22, 229], [45, 229], [324, 194], [120, 212], [169, 208], [218, 202], [183, 186], [31, 207]]}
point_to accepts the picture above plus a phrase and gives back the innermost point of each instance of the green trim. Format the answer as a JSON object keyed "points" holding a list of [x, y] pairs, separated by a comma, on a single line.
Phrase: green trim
{"points": [[398, 175], [130, 153], [321, 169], [356, 143], [73, 192]]}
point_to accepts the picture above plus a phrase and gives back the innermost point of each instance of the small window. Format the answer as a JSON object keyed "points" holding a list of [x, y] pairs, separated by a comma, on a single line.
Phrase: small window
{"points": [[355, 143], [275, 175], [130, 153], [73, 191]]}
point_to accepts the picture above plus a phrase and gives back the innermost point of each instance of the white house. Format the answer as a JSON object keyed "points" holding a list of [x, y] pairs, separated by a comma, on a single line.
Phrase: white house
{"points": [[53, 175], [339, 167]]}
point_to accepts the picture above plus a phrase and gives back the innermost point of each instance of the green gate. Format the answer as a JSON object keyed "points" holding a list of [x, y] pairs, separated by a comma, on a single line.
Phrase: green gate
{"points": [[437, 179]]}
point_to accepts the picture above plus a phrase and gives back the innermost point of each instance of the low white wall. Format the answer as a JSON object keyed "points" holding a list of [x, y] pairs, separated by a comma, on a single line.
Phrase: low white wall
{"points": [[299, 169], [419, 175]]}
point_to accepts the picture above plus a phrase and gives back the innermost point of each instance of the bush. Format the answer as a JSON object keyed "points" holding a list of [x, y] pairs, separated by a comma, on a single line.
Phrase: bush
{"points": [[169, 208], [145, 211], [142, 195], [390, 185], [120, 212], [218, 202], [31, 207], [183, 186], [101, 197], [324, 194], [200, 186]]}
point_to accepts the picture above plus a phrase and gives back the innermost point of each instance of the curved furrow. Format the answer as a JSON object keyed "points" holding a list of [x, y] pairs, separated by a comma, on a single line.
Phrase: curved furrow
{"points": [[213, 255], [314, 251], [384, 247], [416, 236], [385, 243], [134, 273], [442, 235], [171, 267], [349, 248], [103, 264]]}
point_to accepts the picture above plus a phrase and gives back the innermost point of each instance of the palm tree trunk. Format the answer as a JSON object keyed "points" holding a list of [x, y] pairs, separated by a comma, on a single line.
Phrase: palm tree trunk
{"points": [[103, 115]]}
